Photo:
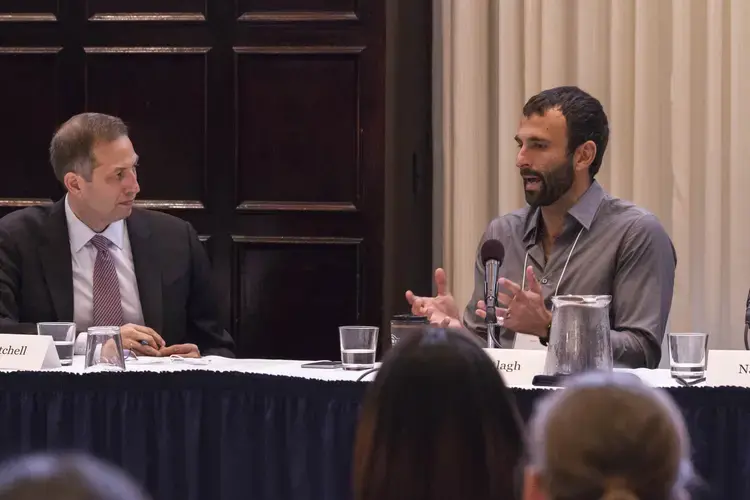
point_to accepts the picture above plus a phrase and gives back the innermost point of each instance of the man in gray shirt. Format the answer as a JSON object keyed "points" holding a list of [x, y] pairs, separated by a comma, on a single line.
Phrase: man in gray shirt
{"points": [[572, 238]]}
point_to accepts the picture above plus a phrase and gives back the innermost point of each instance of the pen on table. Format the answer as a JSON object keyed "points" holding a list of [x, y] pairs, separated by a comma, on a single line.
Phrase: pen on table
{"points": [[145, 342]]}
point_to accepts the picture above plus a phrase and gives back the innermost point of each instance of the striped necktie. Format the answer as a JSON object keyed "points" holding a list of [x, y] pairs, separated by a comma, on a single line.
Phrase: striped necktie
{"points": [[107, 303]]}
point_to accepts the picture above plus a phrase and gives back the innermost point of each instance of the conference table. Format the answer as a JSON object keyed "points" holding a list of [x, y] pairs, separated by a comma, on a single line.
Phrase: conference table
{"points": [[256, 429]]}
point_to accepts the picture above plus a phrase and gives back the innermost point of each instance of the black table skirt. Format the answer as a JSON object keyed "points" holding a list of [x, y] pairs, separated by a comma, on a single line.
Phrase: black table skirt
{"points": [[225, 436]]}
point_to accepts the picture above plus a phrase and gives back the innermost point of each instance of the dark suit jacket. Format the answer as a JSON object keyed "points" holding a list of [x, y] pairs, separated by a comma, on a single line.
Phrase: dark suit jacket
{"points": [[171, 268]]}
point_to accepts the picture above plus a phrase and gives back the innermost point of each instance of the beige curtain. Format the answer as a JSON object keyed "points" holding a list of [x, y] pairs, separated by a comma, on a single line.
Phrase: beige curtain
{"points": [[674, 78]]}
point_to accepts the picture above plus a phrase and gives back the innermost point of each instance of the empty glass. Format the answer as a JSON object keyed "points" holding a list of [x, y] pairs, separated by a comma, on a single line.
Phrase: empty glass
{"points": [[687, 355], [63, 336], [358, 345], [104, 349]]}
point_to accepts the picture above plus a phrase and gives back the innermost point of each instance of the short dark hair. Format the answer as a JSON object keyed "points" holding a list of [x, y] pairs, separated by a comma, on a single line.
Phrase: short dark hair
{"points": [[71, 149], [584, 116], [438, 422], [65, 476]]}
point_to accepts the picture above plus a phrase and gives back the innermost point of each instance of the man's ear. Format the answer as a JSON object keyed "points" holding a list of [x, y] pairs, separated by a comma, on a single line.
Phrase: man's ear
{"points": [[584, 155], [72, 182]]}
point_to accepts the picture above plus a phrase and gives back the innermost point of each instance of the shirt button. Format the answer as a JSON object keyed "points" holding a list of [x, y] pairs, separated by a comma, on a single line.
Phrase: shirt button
{"points": [[544, 281]]}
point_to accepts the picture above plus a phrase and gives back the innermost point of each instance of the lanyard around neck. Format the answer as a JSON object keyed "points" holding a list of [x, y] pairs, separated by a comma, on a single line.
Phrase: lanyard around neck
{"points": [[565, 267]]}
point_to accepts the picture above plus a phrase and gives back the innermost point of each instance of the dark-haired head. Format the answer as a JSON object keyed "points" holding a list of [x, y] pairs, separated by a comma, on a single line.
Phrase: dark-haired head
{"points": [[562, 137], [65, 477], [438, 422]]}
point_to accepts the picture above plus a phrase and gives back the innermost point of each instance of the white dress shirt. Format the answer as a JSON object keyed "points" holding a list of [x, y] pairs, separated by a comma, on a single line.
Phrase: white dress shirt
{"points": [[83, 254]]}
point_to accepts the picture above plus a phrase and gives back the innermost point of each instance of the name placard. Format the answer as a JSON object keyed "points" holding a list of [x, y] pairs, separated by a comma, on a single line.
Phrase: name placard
{"points": [[527, 342], [518, 366], [27, 352], [728, 368]]}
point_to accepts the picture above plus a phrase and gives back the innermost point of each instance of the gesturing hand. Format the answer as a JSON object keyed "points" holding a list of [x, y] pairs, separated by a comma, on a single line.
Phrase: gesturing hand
{"points": [[441, 310], [526, 312]]}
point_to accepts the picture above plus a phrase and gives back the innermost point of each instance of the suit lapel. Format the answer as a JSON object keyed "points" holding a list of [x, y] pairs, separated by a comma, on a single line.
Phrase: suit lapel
{"points": [[54, 254], [147, 269]]}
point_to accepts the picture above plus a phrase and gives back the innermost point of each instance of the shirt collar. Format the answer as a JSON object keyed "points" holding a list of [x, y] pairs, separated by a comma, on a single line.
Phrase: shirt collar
{"points": [[588, 204], [80, 234], [583, 211]]}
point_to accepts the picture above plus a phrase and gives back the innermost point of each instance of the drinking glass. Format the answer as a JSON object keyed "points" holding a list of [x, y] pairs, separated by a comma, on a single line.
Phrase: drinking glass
{"points": [[403, 325], [63, 336], [687, 355], [104, 349], [358, 345]]}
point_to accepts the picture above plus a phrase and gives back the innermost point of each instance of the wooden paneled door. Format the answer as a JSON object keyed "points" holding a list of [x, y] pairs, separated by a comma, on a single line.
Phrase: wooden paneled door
{"points": [[262, 122]]}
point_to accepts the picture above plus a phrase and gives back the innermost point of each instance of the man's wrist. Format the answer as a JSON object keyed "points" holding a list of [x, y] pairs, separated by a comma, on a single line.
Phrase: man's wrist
{"points": [[544, 335]]}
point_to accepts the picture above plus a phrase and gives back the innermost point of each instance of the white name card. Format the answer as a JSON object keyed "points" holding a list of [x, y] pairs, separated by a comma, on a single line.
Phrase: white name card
{"points": [[728, 368], [525, 341], [27, 352], [518, 366]]}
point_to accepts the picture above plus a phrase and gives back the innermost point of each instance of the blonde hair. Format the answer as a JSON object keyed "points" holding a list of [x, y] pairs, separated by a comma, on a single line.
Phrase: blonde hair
{"points": [[610, 437]]}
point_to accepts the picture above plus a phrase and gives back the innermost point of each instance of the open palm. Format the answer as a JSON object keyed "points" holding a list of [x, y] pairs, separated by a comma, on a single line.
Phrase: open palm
{"points": [[441, 309]]}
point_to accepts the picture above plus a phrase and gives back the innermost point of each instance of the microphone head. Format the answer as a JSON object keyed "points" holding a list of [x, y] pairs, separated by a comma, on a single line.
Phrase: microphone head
{"points": [[492, 250]]}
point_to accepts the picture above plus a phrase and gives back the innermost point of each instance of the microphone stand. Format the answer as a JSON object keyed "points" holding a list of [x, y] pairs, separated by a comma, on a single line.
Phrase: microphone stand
{"points": [[492, 326], [491, 268]]}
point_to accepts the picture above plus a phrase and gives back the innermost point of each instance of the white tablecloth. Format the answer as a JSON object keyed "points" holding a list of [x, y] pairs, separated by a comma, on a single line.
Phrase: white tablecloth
{"points": [[293, 368]]}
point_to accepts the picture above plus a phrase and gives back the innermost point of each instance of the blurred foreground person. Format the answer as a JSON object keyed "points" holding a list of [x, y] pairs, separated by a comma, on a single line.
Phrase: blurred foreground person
{"points": [[65, 477], [438, 422], [608, 437]]}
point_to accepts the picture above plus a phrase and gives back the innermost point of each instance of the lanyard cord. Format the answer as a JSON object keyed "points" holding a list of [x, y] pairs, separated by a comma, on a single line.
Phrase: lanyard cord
{"points": [[565, 267], [557, 288]]}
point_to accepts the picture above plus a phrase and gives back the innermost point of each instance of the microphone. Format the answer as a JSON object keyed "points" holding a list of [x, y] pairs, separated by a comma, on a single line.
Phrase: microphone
{"points": [[492, 254]]}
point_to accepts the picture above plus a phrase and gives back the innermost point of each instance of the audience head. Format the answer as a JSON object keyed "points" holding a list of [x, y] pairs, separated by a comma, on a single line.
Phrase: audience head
{"points": [[94, 158], [65, 477], [438, 422], [562, 138], [607, 437]]}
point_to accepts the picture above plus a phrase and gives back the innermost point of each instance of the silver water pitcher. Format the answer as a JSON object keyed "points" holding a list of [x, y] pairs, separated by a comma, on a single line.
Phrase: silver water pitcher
{"points": [[579, 338]]}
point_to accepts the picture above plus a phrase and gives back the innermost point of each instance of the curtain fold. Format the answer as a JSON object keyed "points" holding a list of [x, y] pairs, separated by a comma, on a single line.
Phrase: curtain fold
{"points": [[674, 78], [193, 435], [197, 435]]}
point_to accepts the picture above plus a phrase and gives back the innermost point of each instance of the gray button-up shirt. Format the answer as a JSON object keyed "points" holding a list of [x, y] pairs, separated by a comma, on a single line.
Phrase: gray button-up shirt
{"points": [[623, 251]]}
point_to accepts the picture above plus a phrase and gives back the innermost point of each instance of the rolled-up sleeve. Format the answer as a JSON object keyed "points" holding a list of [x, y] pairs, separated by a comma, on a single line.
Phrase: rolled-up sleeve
{"points": [[642, 293]]}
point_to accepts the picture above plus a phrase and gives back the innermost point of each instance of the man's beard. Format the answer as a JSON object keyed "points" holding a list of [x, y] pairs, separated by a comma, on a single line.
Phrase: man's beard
{"points": [[552, 185]]}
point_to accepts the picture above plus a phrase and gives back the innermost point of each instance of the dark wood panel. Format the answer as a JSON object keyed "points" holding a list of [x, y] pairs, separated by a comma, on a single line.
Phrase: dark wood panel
{"points": [[28, 10], [146, 10], [297, 124], [25, 142], [294, 293], [268, 113], [297, 10], [160, 92]]}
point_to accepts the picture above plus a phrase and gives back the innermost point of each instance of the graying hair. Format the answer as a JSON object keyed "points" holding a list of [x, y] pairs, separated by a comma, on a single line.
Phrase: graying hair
{"points": [[583, 441], [71, 149], [66, 476]]}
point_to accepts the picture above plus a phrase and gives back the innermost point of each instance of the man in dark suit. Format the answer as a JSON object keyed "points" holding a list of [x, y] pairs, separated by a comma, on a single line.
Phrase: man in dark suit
{"points": [[94, 259]]}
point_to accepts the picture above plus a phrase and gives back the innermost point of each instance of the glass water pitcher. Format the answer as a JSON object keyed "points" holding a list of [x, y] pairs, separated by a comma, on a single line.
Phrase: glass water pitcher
{"points": [[580, 335]]}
